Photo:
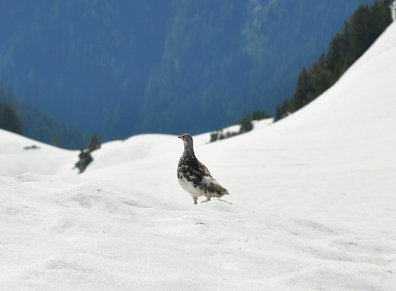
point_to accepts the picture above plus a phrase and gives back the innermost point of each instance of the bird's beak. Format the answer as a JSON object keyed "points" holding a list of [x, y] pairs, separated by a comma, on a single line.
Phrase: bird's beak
{"points": [[179, 136]]}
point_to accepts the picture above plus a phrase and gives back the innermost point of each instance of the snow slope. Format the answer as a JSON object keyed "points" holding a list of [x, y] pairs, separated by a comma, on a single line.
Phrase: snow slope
{"points": [[44, 159], [312, 204]]}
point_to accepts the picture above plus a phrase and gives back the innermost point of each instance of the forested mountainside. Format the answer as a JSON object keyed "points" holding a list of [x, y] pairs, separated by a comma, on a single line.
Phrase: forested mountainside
{"points": [[123, 67], [34, 123], [359, 32]]}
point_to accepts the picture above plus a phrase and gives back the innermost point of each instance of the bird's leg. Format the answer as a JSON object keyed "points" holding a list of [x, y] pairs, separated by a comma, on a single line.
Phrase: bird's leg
{"points": [[195, 199]]}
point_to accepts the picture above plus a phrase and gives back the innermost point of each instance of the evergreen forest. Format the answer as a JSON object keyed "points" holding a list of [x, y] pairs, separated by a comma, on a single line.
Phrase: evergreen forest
{"points": [[22, 118], [359, 32]]}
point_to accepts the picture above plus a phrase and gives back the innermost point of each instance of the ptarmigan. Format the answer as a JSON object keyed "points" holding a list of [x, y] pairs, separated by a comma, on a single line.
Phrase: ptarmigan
{"points": [[194, 177]]}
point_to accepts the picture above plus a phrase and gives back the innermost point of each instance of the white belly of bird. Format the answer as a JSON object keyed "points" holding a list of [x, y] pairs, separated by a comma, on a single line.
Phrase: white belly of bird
{"points": [[189, 187]]}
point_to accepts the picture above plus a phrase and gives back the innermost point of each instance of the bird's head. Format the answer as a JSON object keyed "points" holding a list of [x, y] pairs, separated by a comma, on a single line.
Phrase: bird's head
{"points": [[187, 139]]}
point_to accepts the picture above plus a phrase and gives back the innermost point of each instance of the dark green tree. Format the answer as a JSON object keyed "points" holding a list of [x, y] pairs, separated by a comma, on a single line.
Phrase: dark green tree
{"points": [[84, 159], [246, 121], [9, 119], [94, 142], [283, 110], [300, 98], [246, 125]]}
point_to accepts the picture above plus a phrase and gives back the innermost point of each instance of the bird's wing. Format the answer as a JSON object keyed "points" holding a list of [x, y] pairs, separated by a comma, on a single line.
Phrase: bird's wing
{"points": [[204, 169]]}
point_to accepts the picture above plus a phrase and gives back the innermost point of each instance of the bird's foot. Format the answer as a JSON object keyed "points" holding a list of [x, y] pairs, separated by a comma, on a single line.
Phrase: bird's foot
{"points": [[207, 200]]}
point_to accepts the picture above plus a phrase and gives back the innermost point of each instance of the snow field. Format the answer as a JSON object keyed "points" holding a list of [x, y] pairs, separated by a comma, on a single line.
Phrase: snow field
{"points": [[312, 204]]}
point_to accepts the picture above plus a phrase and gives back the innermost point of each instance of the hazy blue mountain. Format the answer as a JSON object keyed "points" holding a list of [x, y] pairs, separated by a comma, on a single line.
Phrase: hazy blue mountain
{"points": [[41, 125], [128, 66]]}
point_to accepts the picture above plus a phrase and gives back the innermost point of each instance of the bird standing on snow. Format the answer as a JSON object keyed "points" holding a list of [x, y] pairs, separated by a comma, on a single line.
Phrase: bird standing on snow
{"points": [[194, 177]]}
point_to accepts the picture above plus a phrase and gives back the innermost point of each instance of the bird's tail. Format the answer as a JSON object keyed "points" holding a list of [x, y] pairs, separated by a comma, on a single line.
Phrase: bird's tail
{"points": [[225, 192]]}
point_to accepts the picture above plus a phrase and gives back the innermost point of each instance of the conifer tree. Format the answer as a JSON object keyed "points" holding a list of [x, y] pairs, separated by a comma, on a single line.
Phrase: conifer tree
{"points": [[9, 119], [94, 142], [302, 90]]}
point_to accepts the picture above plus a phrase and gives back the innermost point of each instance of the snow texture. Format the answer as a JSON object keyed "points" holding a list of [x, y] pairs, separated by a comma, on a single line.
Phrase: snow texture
{"points": [[312, 204]]}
